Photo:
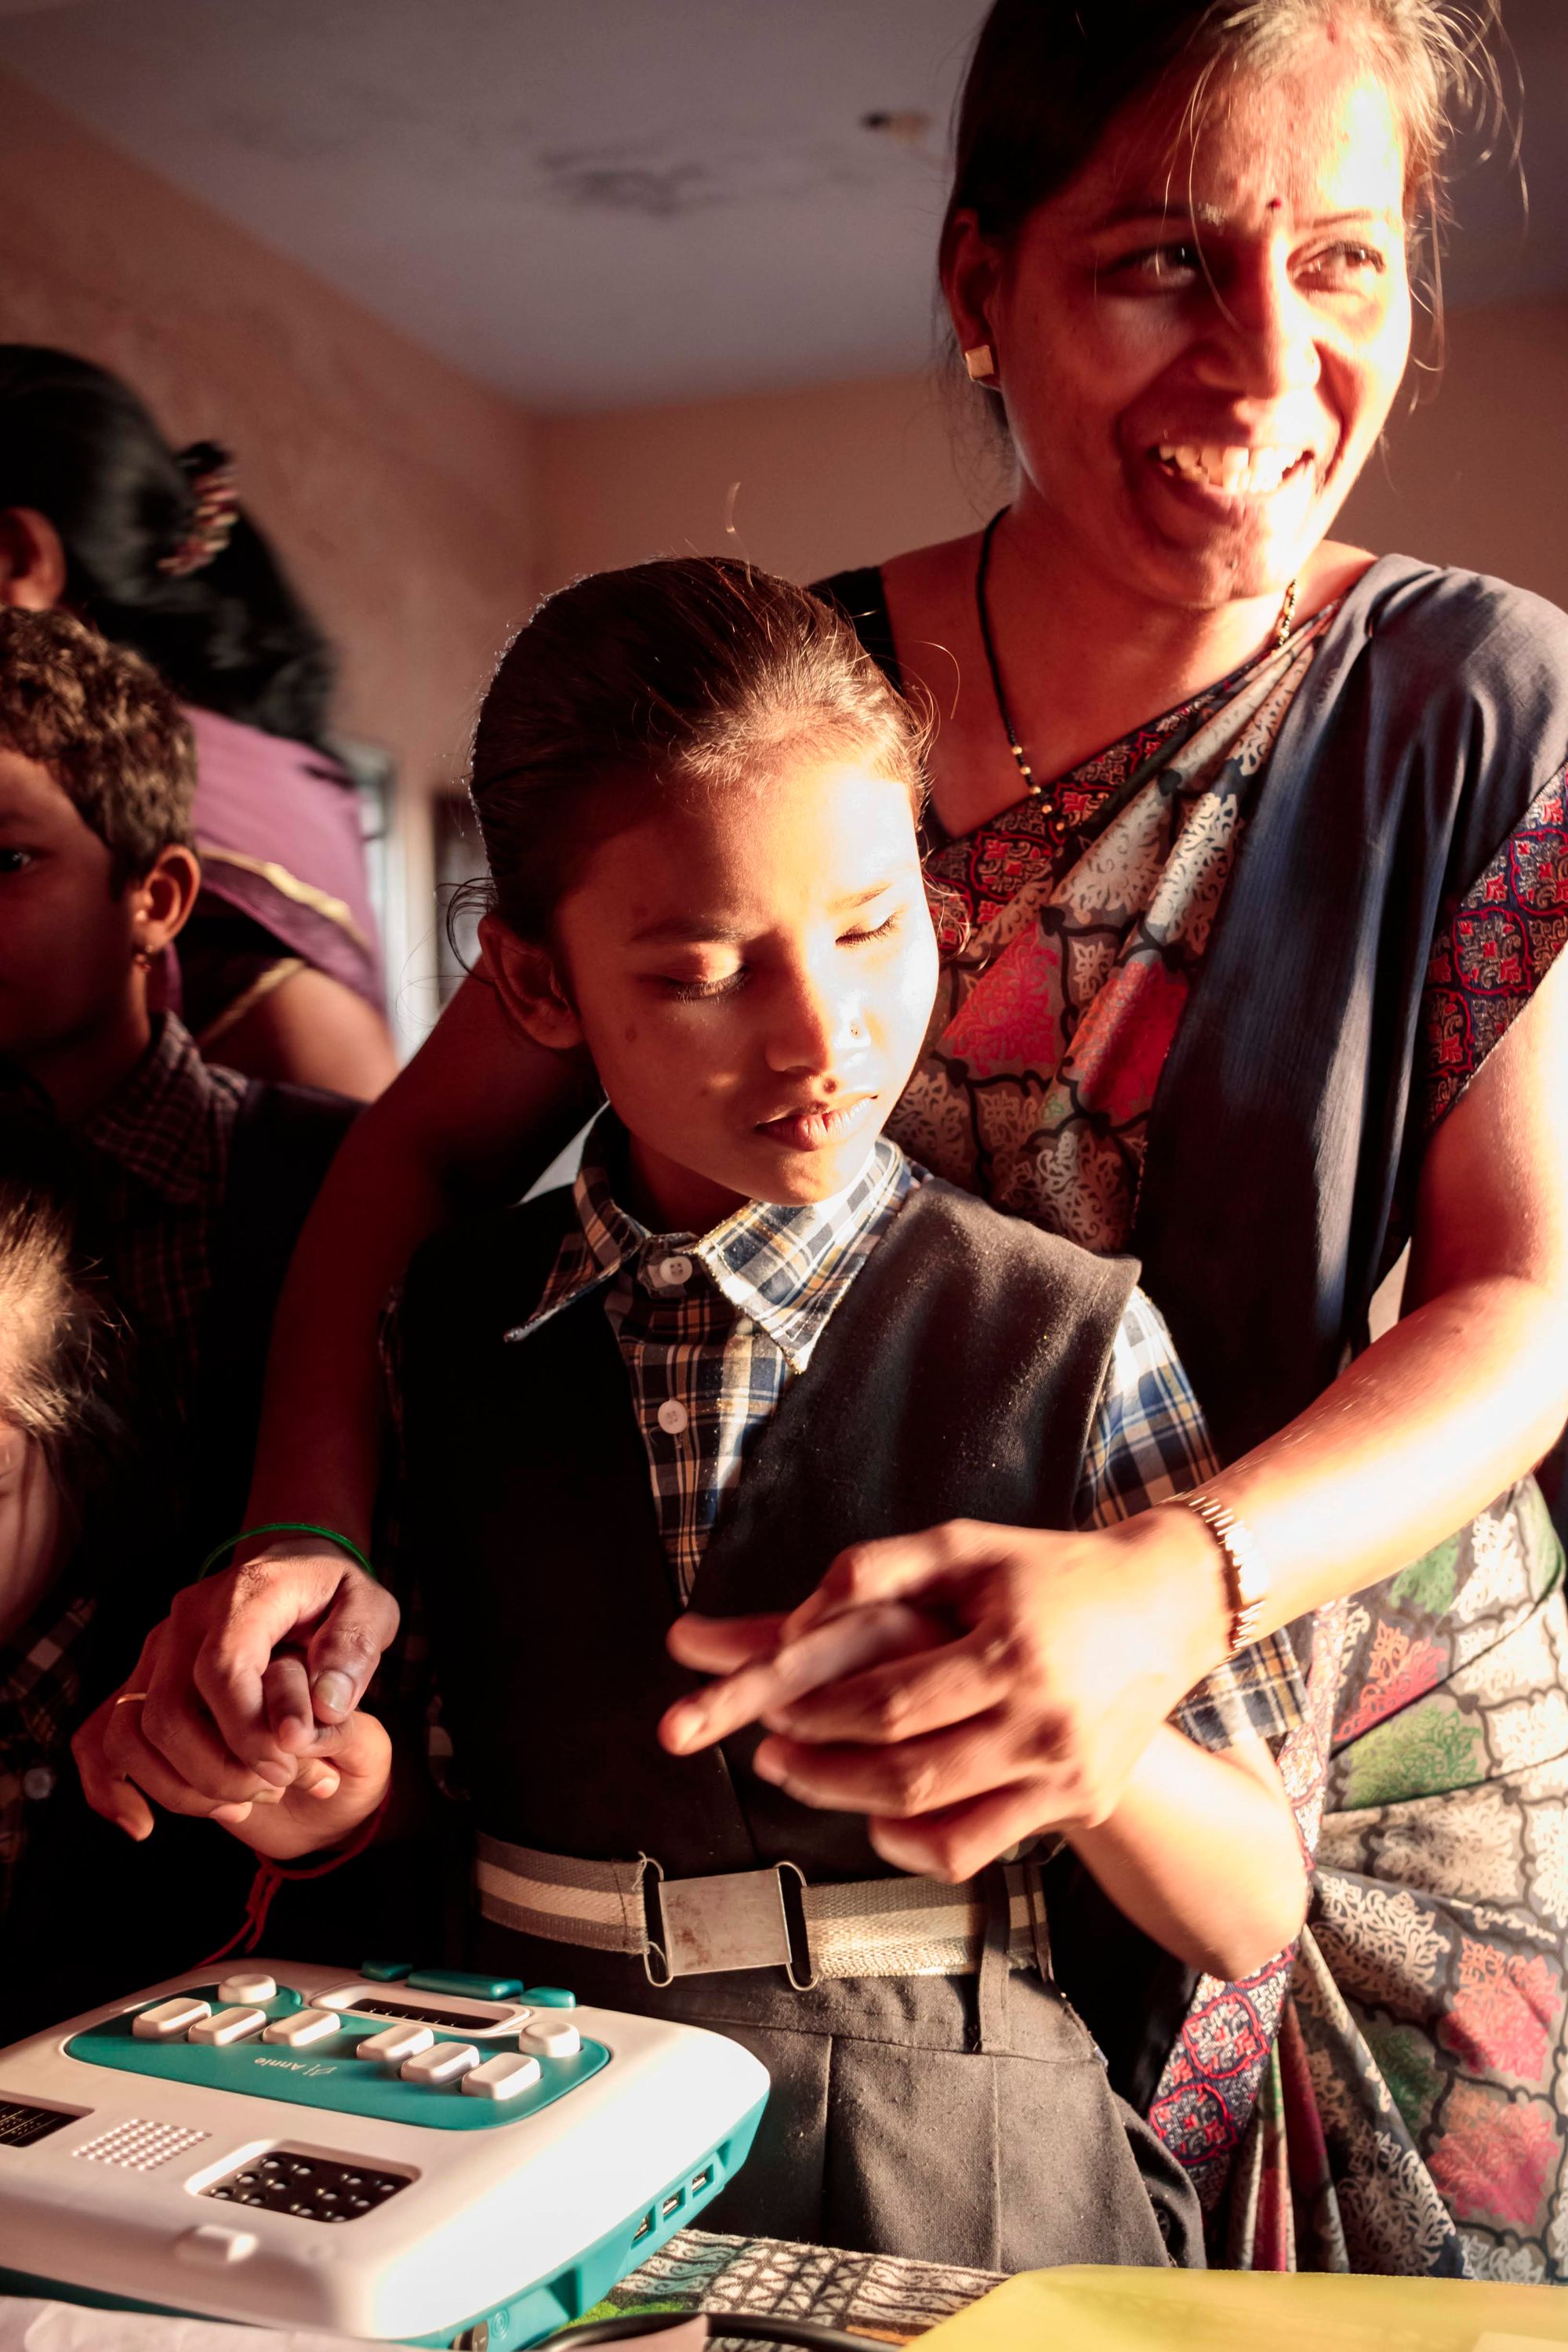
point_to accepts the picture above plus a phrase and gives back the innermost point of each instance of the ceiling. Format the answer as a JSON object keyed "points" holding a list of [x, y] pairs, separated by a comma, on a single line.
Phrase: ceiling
{"points": [[599, 204]]}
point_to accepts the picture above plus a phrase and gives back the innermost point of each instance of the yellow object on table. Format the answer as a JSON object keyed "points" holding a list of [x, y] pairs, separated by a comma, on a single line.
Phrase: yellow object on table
{"points": [[1110, 2310]]}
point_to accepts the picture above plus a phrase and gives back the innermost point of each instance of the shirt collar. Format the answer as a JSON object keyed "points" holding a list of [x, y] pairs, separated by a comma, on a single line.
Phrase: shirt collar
{"points": [[155, 1125], [785, 1266]]}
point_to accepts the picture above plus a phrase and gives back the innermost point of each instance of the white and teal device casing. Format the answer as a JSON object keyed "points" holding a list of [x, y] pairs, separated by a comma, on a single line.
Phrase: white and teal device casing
{"points": [[209, 2178]]}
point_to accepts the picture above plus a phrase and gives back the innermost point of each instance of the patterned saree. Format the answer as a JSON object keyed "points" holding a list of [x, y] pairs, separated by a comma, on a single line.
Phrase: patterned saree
{"points": [[1390, 2097]]}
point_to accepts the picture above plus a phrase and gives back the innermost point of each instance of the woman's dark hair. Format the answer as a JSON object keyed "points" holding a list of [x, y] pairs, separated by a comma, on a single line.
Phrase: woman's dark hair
{"points": [[1048, 77], [690, 673], [78, 446]]}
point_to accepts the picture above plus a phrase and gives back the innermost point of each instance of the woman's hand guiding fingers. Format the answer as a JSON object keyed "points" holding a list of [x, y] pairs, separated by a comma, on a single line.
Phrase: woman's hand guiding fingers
{"points": [[247, 1691], [298, 1592], [971, 1684]]}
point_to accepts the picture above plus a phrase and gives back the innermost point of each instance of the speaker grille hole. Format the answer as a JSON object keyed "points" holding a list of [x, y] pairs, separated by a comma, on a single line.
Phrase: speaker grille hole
{"points": [[139, 2146]]}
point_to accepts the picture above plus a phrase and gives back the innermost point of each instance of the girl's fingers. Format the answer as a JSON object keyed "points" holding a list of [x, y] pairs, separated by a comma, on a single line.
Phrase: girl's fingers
{"points": [[101, 1785], [926, 1566], [958, 1841], [906, 1697], [912, 1777], [839, 1647], [719, 1645], [131, 1757], [286, 1692]]}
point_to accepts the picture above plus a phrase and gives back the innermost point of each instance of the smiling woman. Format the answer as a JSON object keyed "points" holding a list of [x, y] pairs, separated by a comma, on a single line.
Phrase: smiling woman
{"points": [[1254, 977]]}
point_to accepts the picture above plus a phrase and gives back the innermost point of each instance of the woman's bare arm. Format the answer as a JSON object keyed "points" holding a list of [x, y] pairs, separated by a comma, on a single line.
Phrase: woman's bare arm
{"points": [[473, 1120], [1071, 1647], [1203, 1853], [478, 1114]]}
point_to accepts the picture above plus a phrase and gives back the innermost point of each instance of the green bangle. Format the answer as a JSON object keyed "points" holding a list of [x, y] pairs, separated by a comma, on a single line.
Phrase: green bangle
{"points": [[286, 1528]]}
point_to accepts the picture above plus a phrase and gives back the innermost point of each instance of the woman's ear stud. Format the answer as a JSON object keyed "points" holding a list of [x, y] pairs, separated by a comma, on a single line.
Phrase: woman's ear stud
{"points": [[981, 362]]}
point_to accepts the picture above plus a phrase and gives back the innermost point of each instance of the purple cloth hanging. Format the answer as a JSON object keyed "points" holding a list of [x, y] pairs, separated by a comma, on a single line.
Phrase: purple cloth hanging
{"points": [[278, 830]]}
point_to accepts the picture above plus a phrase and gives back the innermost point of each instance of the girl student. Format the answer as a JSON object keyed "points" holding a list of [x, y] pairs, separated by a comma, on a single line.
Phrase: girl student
{"points": [[1254, 847], [753, 1332]]}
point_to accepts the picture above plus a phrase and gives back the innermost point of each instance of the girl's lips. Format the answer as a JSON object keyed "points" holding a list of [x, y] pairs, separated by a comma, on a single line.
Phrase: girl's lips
{"points": [[822, 1124]]}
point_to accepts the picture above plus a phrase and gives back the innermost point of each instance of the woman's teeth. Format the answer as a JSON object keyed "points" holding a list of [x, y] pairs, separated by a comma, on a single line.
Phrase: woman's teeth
{"points": [[1236, 473]]}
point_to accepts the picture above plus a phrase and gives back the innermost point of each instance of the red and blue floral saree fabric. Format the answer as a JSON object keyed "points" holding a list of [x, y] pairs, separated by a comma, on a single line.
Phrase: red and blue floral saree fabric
{"points": [[1391, 2096]]}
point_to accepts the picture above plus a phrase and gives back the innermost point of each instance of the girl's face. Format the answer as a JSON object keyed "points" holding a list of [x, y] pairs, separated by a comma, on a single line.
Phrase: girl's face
{"points": [[752, 970], [1198, 342]]}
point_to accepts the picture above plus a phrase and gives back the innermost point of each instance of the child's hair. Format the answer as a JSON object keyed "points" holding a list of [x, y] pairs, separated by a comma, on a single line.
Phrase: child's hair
{"points": [[108, 729], [62, 1352], [694, 671], [230, 634]]}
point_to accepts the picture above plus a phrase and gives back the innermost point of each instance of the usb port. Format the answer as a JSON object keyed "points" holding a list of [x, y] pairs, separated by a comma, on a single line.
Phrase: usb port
{"points": [[702, 2180], [672, 2204], [643, 2226]]}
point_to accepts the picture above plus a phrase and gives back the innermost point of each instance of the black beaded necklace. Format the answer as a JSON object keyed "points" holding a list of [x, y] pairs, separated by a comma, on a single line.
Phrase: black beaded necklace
{"points": [[1037, 791]]}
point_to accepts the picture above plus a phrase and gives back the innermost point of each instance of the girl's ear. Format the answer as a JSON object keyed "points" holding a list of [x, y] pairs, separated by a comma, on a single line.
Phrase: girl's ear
{"points": [[524, 977]]}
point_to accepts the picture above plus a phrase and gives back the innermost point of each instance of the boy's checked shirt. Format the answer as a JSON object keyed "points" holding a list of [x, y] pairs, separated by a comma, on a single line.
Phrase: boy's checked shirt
{"points": [[159, 1148], [713, 1328]]}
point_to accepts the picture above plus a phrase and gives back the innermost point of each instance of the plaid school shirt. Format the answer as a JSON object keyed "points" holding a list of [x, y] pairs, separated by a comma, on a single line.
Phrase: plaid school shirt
{"points": [[159, 1148], [711, 1328]]}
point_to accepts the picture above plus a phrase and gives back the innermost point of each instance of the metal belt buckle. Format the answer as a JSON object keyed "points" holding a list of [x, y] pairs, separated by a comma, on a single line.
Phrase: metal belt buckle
{"points": [[735, 1920]]}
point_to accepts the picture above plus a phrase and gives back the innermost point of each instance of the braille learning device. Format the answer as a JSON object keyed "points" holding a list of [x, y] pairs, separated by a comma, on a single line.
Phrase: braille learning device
{"points": [[409, 2155]]}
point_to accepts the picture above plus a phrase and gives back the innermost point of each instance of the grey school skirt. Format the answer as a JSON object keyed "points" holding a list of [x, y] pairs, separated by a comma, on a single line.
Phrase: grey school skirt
{"points": [[959, 2119]]}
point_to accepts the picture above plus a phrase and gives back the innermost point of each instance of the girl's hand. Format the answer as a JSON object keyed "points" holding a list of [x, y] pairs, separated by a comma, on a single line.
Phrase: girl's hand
{"points": [[322, 1804], [221, 1719], [1065, 1654]]}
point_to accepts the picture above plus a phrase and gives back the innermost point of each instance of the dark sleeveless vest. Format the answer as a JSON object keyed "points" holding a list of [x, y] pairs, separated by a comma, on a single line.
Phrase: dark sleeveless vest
{"points": [[967, 2119], [958, 1378]]}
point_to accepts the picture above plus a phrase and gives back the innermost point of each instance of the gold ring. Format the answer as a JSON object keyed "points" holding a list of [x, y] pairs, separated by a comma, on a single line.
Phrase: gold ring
{"points": [[130, 1698]]}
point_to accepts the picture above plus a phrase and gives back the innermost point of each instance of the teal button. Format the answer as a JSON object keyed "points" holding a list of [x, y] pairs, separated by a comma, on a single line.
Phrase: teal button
{"points": [[550, 1997], [386, 1971], [454, 1981]]}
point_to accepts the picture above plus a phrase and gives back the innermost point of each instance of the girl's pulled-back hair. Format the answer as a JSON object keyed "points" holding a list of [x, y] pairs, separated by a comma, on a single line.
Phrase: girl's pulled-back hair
{"points": [[694, 671], [1048, 77], [78, 446]]}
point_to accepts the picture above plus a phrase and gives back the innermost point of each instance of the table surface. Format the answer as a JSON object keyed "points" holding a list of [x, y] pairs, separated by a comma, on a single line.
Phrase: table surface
{"points": [[873, 2294]]}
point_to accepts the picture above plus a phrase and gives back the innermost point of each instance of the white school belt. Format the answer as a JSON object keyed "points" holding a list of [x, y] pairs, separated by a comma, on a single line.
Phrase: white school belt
{"points": [[897, 1927]]}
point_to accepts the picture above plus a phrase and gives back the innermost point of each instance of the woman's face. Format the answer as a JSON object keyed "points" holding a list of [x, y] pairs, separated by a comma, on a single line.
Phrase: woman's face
{"points": [[1198, 340]]}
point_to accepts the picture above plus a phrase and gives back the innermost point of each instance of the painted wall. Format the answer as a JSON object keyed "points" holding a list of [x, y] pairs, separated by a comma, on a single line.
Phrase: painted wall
{"points": [[1478, 474], [845, 473], [800, 482], [402, 493]]}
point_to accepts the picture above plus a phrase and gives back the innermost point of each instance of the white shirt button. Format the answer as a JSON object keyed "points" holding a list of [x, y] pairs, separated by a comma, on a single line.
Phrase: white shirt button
{"points": [[743, 1327], [39, 1783], [672, 1417], [675, 1271]]}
